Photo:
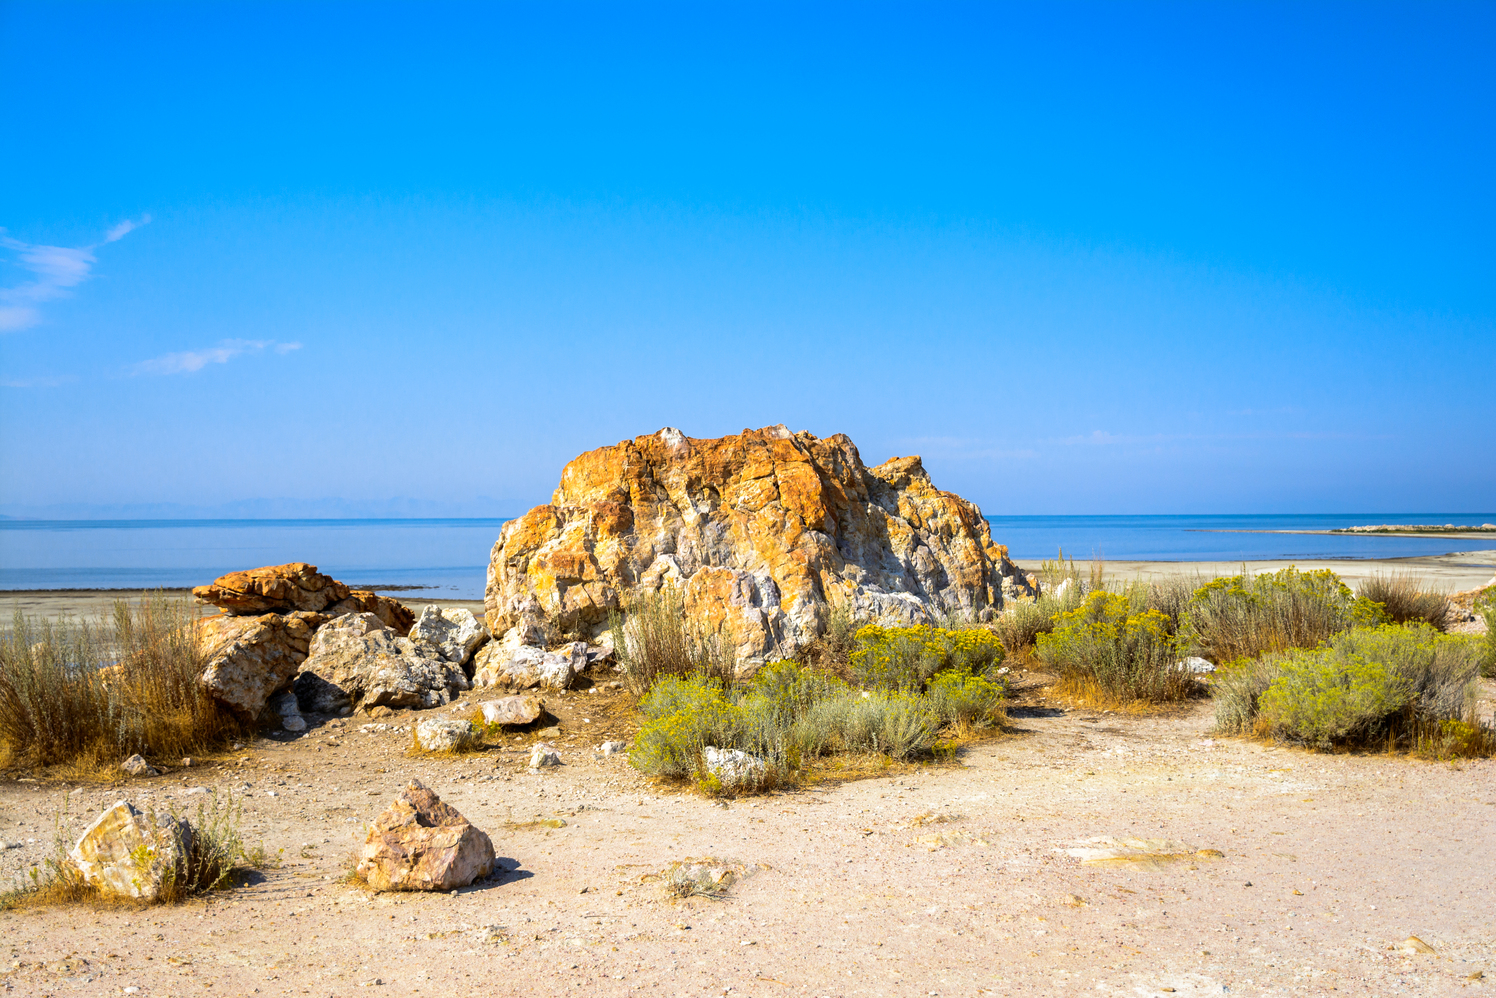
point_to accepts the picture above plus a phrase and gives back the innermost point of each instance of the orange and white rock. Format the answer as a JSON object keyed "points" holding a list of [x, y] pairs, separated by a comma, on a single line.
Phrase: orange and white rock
{"points": [[762, 530], [421, 844]]}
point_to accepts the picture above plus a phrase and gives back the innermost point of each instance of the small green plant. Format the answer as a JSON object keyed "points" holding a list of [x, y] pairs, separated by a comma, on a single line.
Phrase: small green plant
{"points": [[1244, 616], [1405, 600], [1108, 650], [1486, 607]]}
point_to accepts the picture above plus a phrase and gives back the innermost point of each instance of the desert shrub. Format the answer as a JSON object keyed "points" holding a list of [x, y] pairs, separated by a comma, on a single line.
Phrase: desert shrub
{"points": [[904, 658], [1486, 607], [1170, 597], [1243, 616], [89, 693], [964, 699], [788, 713], [1236, 689], [1369, 686], [899, 724], [655, 637], [1111, 651], [1404, 600], [1063, 572], [683, 716]]}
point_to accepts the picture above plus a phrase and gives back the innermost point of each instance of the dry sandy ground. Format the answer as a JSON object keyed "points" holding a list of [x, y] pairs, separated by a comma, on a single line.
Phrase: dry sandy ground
{"points": [[1451, 572], [854, 888]]}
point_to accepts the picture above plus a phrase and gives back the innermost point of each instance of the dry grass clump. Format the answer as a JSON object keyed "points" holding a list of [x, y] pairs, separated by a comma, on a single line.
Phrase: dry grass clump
{"points": [[654, 638], [1245, 616], [1404, 599], [1389, 686], [1110, 650], [708, 878], [89, 693]]}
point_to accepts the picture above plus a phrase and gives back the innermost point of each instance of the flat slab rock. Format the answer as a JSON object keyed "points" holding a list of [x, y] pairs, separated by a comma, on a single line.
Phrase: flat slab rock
{"points": [[420, 843], [273, 588]]}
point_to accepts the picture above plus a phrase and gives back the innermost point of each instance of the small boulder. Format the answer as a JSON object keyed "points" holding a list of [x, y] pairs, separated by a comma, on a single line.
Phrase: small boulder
{"points": [[137, 766], [452, 633], [544, 754], [512, 710], [285, 706], [1197, 665], [273, 589], [611, 748], [439, 735], [421, 844], [734, 768], [527, 667], [136, 855]]}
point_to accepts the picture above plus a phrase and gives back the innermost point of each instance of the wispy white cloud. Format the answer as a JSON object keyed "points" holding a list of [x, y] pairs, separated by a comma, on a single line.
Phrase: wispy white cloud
{"points": [[56, 269], [191, 361], [37, 382]]}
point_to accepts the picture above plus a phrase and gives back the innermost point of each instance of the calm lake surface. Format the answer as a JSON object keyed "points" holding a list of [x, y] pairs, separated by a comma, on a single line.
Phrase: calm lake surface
{"points": [[448, 558]]}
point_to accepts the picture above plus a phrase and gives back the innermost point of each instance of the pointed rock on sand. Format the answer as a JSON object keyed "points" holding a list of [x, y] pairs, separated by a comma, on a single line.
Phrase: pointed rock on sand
{"points": [[422, 844]]}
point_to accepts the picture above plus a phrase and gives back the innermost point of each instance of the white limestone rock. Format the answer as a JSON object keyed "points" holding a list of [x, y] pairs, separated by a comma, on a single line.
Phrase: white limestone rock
{"points": [[452, 633], [527, 667], [440, 735], [133, 854]]}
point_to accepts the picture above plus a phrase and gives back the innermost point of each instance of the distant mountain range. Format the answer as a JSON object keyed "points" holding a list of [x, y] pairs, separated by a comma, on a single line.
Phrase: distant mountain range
{"points": [[272, 509]]}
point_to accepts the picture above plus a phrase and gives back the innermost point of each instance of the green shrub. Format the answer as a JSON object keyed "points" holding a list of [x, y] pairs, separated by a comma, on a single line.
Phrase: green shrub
{"points": [[1487, 609], [788, 713], [904, 658], [1108, 650], [1404, 600], [965, 699], [899, 724], [1243, 616], [1364, 687], [683, 716], [1236, 689]]}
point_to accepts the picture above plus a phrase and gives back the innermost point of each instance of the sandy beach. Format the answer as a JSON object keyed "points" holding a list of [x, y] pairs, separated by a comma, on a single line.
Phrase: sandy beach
{"points": [[1450, 572]]}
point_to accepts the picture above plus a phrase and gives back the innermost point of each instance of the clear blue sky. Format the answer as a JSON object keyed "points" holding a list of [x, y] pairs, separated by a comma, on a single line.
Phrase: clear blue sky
{"points": [[1097, 258]]}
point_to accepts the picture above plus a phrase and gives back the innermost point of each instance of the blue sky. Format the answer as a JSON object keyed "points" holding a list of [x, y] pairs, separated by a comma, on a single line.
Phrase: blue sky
{"points": [[1112, 258]]}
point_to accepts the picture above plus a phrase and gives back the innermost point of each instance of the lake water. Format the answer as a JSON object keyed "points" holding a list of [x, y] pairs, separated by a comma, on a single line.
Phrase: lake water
{"points": [[448, 558]]}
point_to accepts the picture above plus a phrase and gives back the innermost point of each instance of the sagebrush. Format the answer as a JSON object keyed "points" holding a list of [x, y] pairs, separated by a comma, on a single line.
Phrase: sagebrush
{"points": [[1389, 685], [1108, 649], [91, 692]]}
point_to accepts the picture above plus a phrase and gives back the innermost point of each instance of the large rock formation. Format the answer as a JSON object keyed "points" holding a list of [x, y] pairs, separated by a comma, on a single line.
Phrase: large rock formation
{"points": [[761, 530], [255, 648], [298, 586], [273, 589]]}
